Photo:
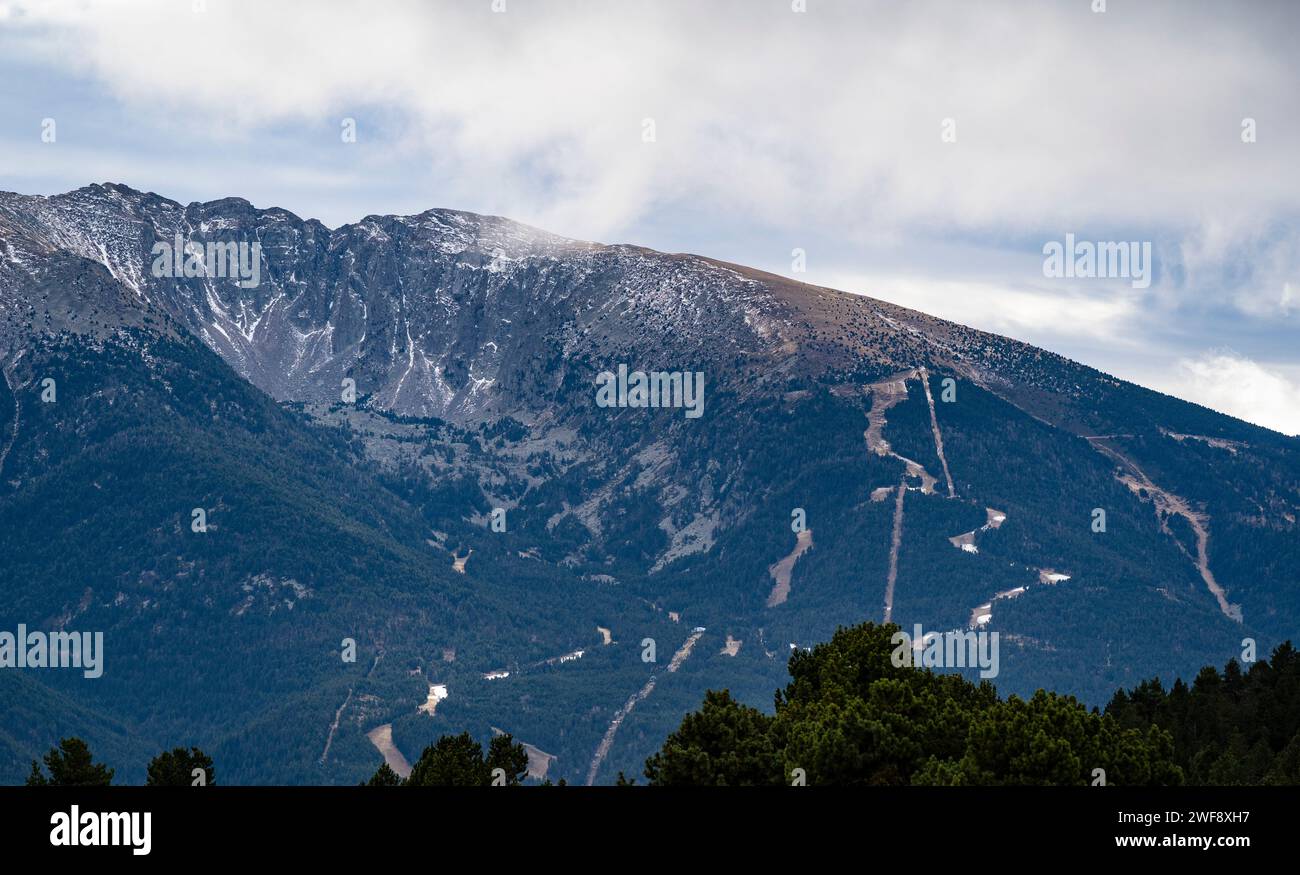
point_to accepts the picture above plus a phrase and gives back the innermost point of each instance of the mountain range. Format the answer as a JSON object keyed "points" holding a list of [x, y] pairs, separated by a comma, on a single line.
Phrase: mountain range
{"points": [[390, 447]]}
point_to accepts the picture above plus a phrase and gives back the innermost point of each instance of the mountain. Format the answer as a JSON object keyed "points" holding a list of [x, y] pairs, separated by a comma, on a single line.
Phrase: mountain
{"points": [[504, 547]]}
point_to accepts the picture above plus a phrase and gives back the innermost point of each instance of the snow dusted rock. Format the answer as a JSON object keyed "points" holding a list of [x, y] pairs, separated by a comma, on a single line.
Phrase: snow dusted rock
{"points": [[445, 314]]}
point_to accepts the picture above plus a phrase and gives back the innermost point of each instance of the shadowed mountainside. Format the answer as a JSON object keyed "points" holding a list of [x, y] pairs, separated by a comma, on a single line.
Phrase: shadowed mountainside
{"points": [[474, 344]]}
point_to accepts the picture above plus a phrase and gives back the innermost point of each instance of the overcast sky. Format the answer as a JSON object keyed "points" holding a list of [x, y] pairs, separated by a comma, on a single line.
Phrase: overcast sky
{"points": [[923, 152]]}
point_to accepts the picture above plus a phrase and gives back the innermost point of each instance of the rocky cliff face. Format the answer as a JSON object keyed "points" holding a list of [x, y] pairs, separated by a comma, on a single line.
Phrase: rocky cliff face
{"points": [[444, 314]]}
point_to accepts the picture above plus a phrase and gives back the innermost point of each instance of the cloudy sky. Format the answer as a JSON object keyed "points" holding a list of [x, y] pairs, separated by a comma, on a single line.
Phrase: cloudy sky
{"points": [[923, 152]]}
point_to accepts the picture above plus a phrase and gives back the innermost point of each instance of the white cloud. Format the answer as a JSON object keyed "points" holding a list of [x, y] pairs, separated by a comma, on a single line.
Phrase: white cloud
{"points": [[1037, 315], [820, 126], [1230, 383], [1127, 119]]}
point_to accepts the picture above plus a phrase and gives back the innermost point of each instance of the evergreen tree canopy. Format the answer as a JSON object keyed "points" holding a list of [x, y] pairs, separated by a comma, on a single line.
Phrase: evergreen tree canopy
{"points": [[175, 768], [1235, 728], [850, 716], [385, 777], [459, 761], [70, 765]]}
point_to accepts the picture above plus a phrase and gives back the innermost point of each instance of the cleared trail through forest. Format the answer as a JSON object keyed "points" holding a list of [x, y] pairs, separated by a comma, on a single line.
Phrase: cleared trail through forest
{"points": [[884, 395], [338, 715], [607, 742], [780, 571], [938, 437], [382, 738], [334, 727], [1168, 504], [895, 543]]}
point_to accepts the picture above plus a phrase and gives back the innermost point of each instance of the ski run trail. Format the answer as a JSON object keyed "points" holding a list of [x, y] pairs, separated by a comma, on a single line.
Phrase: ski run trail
{"points": [[884, 395], [1168, 504], [602, 750]]}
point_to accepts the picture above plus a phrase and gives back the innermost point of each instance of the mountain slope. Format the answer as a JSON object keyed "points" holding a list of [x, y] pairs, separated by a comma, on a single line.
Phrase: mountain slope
{"points": [[214, 636], [948, 476]]}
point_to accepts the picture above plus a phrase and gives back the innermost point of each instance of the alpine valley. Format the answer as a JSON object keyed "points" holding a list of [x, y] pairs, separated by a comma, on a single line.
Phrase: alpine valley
{"points": [[385, 439]]}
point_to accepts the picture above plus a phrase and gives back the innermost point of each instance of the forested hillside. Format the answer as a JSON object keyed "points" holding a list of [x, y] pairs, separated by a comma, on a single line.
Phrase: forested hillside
{"points": [[851, 715], [390, 447]]}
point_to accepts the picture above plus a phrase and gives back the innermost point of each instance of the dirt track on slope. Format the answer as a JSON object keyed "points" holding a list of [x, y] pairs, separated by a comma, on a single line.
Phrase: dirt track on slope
{"points": [[780, 571], [895, 542], [938, 438], [1168, 504], [382, 738], [607, 742]]}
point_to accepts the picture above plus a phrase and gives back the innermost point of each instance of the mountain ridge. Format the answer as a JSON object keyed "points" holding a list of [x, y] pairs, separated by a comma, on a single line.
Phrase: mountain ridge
{"points": [[789, 290], [474, 352]]}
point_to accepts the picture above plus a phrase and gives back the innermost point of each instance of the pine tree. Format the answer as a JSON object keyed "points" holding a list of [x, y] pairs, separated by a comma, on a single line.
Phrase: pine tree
{"points": [[384, 777], [70, 765], [452, 761], [176, 768], [512, 758]]}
